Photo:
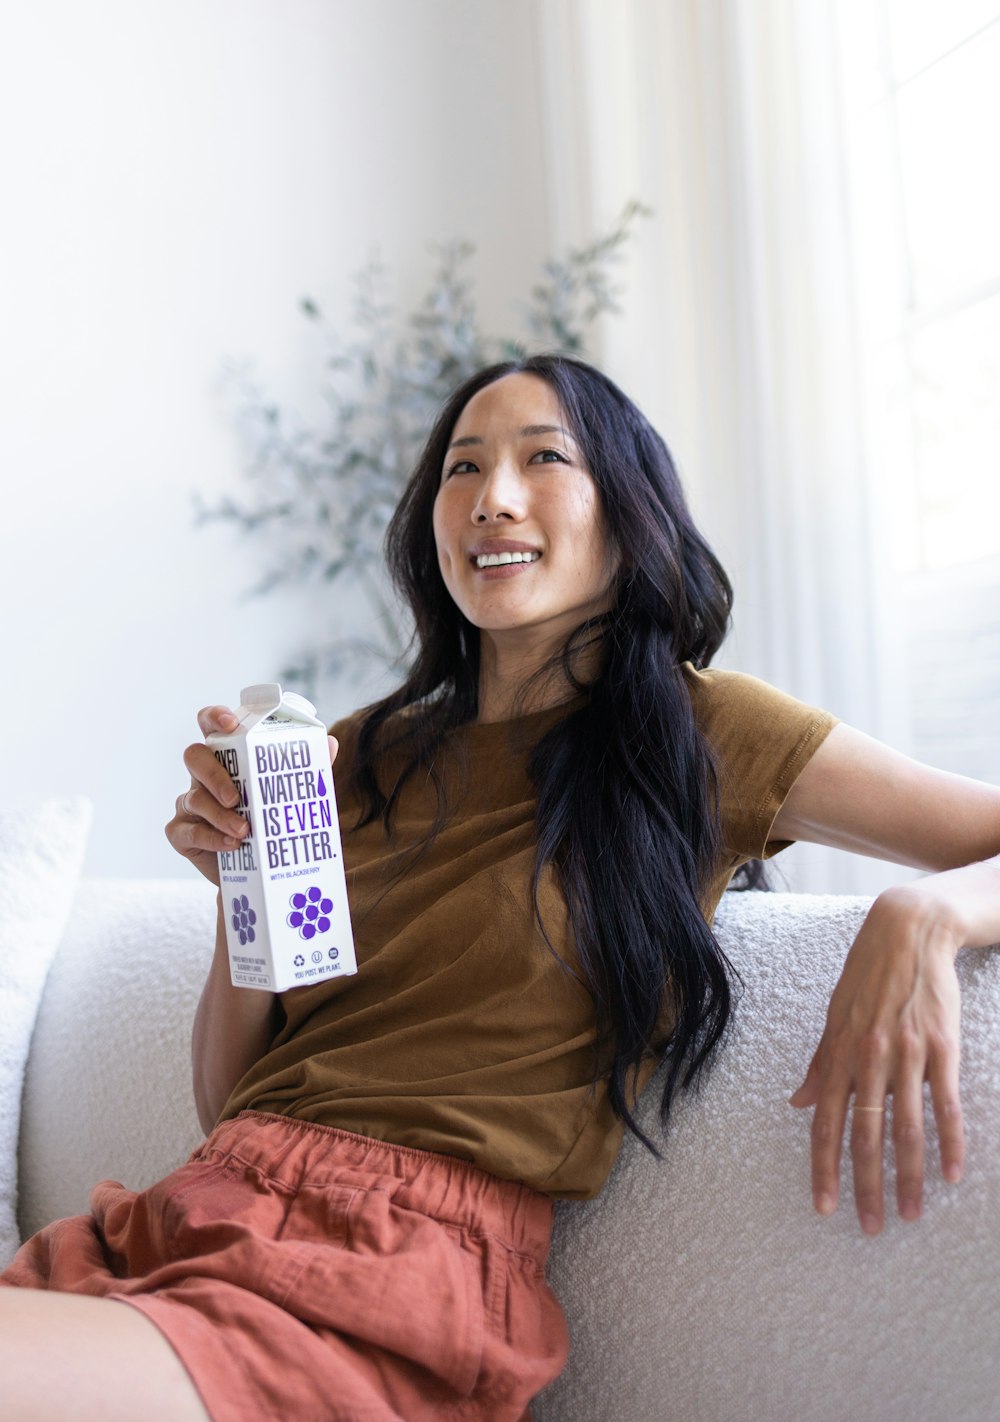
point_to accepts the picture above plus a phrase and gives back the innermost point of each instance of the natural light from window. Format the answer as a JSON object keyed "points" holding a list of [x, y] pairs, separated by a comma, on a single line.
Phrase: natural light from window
{"points": [[922, 101]]}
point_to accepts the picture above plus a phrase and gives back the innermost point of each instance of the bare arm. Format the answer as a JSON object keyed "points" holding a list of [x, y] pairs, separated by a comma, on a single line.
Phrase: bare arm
{"points": [[894, 1016], [860, 795], [233, 1028]]}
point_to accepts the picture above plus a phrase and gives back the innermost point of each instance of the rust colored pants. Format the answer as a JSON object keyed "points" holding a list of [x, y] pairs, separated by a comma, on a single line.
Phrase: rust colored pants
{"points": [[305, 1272]]}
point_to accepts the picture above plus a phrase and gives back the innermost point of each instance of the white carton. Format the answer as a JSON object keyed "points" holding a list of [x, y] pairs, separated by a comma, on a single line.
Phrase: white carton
{"points": [[287, 917]]}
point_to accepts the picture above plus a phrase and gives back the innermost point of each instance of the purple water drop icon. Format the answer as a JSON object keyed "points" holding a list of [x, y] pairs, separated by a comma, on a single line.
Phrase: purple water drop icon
{"points": [[320, 785]]}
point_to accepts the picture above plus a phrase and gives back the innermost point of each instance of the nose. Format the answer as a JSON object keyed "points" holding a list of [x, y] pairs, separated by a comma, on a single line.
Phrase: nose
{"points": [[500, 497]]}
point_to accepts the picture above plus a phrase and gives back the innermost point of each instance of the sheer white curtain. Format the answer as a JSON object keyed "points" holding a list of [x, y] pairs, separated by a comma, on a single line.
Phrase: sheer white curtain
{"points": [[738, 333]]}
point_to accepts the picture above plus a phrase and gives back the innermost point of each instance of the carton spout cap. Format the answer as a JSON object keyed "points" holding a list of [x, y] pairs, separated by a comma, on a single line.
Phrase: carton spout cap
{"points": [[265, 693], [268, 696]]}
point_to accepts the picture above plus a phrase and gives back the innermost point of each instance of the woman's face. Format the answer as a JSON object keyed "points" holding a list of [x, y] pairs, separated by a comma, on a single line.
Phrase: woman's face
{"points": [[518, 523]]}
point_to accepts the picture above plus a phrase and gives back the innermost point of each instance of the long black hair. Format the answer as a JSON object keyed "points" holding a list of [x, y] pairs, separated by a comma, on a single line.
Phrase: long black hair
{"points": [[627, 796]]}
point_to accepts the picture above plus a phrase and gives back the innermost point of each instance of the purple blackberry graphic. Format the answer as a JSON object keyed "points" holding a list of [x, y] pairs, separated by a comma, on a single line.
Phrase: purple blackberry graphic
{"points": [[244, 918], [310, 912]]}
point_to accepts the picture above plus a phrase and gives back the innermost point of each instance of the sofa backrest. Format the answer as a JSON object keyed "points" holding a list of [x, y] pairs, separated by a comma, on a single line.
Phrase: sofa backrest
{"points": [[701, 1286], [704, 1287]]}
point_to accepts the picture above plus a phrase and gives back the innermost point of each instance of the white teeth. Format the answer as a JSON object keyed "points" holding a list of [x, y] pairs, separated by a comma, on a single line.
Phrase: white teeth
{"points": [[496, 560]]}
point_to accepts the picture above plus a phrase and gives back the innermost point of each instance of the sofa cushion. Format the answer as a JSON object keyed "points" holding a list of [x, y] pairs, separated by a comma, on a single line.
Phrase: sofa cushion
{"points": [[41, 852], [108, 1088]]}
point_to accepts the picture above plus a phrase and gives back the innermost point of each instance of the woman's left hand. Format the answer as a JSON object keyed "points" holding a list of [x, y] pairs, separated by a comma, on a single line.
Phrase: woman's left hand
{"points": [[892, 1024]]}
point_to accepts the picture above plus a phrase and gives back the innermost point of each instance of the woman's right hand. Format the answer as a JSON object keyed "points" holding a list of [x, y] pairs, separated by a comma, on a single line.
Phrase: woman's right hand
{"points": [[206, 819]]}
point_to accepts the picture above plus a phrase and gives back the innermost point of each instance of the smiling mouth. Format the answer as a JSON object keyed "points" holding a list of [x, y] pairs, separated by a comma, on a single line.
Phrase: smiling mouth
{"points": [[499, 560]]}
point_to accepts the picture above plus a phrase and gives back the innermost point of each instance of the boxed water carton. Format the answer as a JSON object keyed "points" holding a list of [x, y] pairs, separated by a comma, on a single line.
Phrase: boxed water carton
{"points": [[287, 917]]}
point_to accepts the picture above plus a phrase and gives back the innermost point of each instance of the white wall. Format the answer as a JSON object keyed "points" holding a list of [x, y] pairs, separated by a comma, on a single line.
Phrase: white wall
{"points": [[181, 175]]}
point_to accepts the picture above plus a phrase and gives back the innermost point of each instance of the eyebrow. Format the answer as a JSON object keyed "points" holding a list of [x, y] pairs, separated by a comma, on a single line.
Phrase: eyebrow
{"points": [[525, 433]]}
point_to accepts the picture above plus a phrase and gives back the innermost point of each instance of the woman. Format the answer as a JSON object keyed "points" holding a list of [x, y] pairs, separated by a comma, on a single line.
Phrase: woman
{"points": [[537, 827]]}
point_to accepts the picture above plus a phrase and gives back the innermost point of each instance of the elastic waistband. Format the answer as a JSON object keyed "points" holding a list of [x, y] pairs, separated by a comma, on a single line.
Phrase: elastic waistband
{"points": [[293, 1153]]}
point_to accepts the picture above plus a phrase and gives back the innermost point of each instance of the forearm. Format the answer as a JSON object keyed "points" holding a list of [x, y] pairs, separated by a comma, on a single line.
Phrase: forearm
{"points": [[233, 1027]]}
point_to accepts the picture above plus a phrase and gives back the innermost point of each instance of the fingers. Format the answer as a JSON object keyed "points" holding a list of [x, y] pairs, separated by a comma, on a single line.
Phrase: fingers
{"points": [[892, 1024], [334, 748], [208, 772], [808, 1093], [827, 1136], [908, 1143], [201, 824], [874, 1086], [206, 817], [191, 837], [867, 1132], [943, 1077], [866, 1146], [216, 718], [202, 806], [868, 1128]]}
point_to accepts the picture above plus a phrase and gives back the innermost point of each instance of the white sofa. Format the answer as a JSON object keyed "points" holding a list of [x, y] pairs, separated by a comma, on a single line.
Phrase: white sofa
{"points": [[700, 1288]]}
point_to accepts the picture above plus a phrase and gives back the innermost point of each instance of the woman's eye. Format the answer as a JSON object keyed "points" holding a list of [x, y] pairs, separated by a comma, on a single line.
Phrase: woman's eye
{"points": [[461, 466], [556, 454]]}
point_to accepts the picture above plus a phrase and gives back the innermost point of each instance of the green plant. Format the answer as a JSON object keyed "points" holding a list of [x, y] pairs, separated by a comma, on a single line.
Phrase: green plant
{"points": [[320, 499]]}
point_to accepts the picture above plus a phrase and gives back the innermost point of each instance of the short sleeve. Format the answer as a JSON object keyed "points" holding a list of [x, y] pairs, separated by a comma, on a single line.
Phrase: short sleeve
{"points": [[761, 740]]}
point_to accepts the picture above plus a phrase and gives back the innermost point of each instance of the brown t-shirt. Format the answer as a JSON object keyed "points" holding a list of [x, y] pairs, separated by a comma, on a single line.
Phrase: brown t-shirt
{"points": [[460, 1032]]}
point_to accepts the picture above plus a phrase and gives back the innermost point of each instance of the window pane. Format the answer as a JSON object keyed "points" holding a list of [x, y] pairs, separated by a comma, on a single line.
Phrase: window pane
{"points": [[953, 645], [895, 500], [864, 74], [949, 119], [922, 30], [956, 411], [877, 234]]}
